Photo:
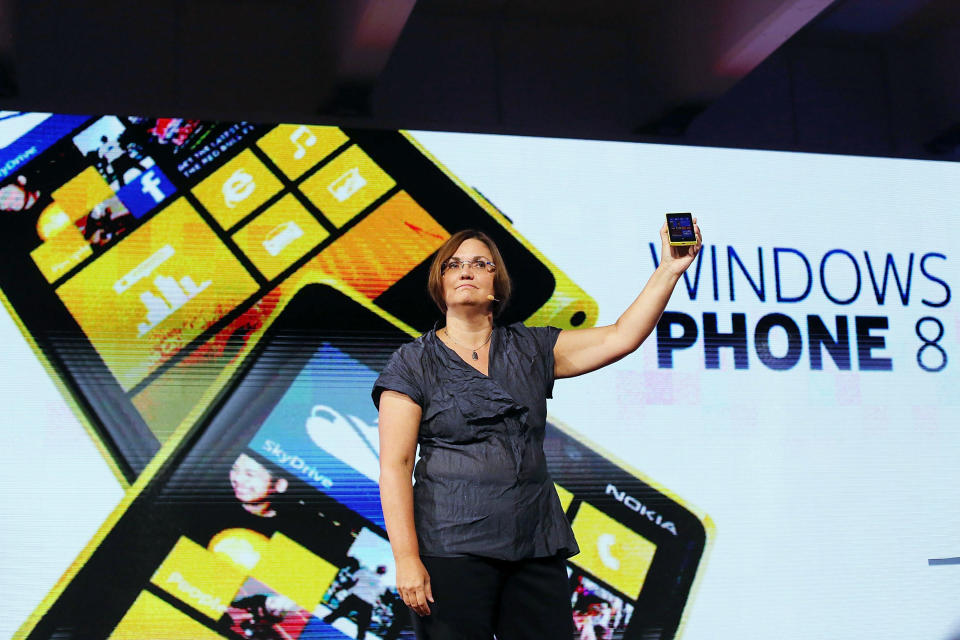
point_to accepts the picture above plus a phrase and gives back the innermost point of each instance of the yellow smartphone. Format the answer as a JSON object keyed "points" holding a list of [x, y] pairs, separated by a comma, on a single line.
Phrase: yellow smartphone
{"points": [[257, 523], [145, 256], [681, 231]]}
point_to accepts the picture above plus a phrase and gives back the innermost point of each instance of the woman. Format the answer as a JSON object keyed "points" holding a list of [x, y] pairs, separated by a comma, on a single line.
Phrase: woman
{"points": [[481, 539]]}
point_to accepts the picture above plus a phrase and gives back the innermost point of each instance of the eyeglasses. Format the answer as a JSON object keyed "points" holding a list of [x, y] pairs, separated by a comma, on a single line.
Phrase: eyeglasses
{"points": [[475, 265]]}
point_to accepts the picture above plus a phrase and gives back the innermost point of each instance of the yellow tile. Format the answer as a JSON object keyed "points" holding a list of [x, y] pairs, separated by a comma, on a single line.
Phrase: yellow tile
{"points": [[565, 496], [290, 569], [199, 578], [240, 547], [61, 253], [296, 148], [150, 617], [54, 219], [237, 188], [82, 193], [157, 290], [612, 552], [346, 186], [399, 229], [279, 236]]}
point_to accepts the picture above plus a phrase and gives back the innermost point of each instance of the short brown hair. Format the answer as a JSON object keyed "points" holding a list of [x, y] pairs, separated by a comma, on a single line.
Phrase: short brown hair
{"points": [[501, 278]]}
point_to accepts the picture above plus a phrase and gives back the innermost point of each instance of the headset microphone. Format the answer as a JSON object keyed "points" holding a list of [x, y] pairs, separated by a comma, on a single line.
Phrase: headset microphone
{"points": [[492, 299]]}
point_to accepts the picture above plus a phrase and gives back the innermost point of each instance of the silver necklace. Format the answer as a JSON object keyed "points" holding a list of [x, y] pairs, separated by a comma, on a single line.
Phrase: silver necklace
{"points": [[474, 350]]}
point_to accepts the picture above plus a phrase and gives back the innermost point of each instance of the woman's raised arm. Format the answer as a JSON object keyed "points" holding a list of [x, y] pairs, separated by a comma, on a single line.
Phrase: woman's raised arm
{"points": [[580, 351]]}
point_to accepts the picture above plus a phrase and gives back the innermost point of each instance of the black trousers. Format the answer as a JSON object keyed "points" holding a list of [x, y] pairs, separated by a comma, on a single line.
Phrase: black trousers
{"points": [[476, 598]]}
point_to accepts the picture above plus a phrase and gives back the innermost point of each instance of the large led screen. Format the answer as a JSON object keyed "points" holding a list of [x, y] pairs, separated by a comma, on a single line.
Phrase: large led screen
{"points": [[196, 313]]}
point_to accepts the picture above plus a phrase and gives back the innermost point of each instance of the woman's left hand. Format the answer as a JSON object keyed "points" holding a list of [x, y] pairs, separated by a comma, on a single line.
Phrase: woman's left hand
{"points": [[676, 259]]}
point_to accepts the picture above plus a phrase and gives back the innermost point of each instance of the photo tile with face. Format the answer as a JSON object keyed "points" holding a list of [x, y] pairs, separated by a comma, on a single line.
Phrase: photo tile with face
{"points": [[259, 612], [598, 612], [194, 147], [366, 582]]}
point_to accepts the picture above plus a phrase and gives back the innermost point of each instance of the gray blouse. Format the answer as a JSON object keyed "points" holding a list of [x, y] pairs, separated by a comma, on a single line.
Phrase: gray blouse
{"points": [[482, 486]]}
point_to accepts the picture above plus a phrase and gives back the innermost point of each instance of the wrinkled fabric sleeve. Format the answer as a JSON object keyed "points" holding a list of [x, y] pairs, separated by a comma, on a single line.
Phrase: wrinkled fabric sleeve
{"points": [[398, 375], [546, 338]]}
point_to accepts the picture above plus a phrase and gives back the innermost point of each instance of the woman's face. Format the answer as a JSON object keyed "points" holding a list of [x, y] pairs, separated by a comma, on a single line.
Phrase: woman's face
{"points": [[468, 285]]}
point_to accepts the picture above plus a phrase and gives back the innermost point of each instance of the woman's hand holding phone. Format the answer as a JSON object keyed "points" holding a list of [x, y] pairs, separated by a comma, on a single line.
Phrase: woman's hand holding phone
{"points": [[677, 257]]}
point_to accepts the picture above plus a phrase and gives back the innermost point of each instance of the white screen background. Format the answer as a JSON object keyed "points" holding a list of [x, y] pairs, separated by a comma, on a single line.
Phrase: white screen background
{"points": [[829, 490]]}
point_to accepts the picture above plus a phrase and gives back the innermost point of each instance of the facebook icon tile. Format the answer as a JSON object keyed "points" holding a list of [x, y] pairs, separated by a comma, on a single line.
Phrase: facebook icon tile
{"points": [[150, 188]]}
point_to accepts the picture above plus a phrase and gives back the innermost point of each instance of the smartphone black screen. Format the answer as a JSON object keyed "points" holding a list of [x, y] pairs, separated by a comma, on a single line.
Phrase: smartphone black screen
{"points": [[680, 227]]}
